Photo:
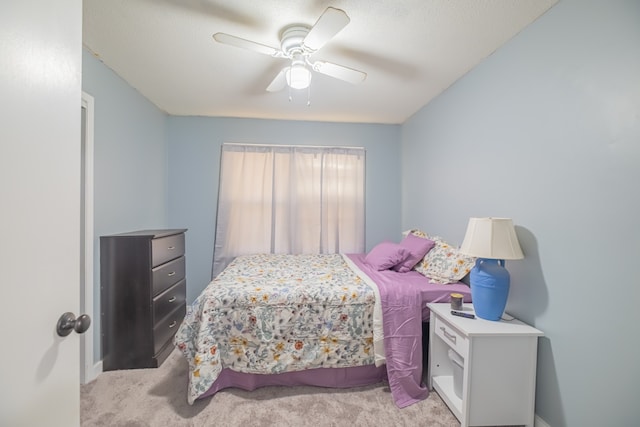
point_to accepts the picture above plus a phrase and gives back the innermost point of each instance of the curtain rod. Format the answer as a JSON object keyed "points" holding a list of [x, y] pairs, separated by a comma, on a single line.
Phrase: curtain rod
{"points": [[294, 146]]}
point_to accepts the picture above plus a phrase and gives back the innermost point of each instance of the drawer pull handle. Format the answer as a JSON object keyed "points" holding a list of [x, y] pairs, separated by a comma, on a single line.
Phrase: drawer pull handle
{"points": [[173, 273], [449, 336], [172, 299], [172, 324], [171, 248]]}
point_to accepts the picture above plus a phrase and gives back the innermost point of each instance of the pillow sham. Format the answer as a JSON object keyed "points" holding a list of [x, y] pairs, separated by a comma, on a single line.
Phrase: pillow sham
{"points": [[422, 234], [444, 263], [385, 255], [415, 232], [417, 247]]}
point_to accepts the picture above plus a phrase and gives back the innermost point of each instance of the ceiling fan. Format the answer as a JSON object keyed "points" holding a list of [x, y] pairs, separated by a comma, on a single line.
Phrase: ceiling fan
{"points": [[297, 44]]}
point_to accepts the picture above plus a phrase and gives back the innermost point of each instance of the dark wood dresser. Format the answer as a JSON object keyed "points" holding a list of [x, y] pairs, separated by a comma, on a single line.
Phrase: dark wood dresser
{"points": [[142, 298]]}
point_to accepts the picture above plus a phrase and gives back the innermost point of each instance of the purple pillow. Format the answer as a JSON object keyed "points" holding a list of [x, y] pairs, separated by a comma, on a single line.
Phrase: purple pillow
{"points": [[417, 247], [385, 255]]}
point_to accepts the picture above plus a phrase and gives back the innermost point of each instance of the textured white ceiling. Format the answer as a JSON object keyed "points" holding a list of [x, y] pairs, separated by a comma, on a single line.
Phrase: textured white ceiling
{"points": [[411, 50]]}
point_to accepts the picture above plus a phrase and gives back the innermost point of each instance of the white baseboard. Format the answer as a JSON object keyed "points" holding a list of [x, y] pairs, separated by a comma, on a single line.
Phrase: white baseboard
{"points": [[539, 422], [95, 371]]}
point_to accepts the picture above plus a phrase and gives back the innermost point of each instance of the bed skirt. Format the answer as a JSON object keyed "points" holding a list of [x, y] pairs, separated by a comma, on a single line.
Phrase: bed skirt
{"points": [[321, 377]]}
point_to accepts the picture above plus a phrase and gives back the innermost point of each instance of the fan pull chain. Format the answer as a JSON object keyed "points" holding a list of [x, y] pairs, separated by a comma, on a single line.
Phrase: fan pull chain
{"points": [[308, 95]]}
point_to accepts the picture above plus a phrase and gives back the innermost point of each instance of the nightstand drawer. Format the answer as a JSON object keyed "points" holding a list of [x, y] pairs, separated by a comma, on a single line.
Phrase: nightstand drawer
{"points": [[167, 248], [169, 300], [452, 337], [164, 331], [168, 274]]}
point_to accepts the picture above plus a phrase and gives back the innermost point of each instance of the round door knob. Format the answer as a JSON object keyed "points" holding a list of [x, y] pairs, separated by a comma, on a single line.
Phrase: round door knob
{"points": [[68, 322]]}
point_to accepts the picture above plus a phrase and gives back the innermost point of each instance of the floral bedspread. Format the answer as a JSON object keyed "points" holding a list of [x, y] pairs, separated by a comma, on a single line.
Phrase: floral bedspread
{"points": [[273, 313]]}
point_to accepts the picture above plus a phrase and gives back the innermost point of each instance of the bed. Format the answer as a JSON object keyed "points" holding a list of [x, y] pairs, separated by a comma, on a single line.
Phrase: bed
{"points": [[331, 320]]}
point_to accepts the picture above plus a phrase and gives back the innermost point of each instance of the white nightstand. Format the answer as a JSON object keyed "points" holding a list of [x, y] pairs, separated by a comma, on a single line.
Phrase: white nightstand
{"points": [[499, 376]]}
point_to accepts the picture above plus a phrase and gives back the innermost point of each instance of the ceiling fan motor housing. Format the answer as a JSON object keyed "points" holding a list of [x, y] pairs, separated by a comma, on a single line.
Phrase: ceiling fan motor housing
{"points": [[292, 39]]}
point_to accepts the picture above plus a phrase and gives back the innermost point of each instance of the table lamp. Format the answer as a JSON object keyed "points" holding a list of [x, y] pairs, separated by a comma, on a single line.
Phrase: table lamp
{"points": [[491, 241]]}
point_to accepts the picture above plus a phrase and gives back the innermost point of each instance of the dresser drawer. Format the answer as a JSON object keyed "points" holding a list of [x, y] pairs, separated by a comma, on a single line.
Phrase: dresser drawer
{"points": [[167, 248], [452, 337], [164, 331], [166, 275], [169, 300]]}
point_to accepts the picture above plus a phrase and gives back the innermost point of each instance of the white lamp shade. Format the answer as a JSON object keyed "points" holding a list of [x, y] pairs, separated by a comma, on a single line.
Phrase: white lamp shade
{"points": [[493, 238], [298, 76]]}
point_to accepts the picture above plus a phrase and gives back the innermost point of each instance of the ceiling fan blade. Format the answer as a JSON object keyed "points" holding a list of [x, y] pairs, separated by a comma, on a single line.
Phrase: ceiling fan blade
{"points": [[246, 44], [279, 82], [339, 72], [328, 25]]}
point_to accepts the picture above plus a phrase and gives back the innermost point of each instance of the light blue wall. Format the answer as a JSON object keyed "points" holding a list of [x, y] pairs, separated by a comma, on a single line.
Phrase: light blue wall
{"points": [[194, 157], [547, 131], [130, 163]]}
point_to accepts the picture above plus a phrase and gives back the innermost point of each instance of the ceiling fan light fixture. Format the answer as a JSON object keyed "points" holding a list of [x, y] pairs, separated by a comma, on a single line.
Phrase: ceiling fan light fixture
{"points": [[298, 76]]}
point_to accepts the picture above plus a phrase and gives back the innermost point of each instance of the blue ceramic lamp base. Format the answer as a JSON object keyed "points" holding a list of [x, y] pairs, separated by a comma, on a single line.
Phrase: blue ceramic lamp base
{"points": [[489, 288]]}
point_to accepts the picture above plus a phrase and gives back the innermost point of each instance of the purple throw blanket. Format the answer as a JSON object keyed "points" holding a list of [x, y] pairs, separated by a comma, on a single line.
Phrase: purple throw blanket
{"points": [[404, 297]]}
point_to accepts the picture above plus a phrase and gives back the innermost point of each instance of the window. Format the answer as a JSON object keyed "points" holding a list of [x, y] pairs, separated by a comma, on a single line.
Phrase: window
{"points": [[289, 199]]}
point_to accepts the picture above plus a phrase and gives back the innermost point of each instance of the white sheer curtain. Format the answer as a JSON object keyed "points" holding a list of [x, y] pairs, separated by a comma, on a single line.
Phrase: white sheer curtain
{"points": [[289, 199]]}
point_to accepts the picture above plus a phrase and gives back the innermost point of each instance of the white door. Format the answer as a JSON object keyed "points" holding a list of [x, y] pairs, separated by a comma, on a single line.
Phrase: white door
{"points": [[40, 92]]}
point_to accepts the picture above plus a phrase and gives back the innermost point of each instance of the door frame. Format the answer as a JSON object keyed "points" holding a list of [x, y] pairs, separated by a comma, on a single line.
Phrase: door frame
{"points": [[88, 370]]}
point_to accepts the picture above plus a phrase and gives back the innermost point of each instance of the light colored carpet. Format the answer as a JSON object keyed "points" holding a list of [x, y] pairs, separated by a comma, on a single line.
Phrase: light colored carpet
{"points": [[158, 397]]}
